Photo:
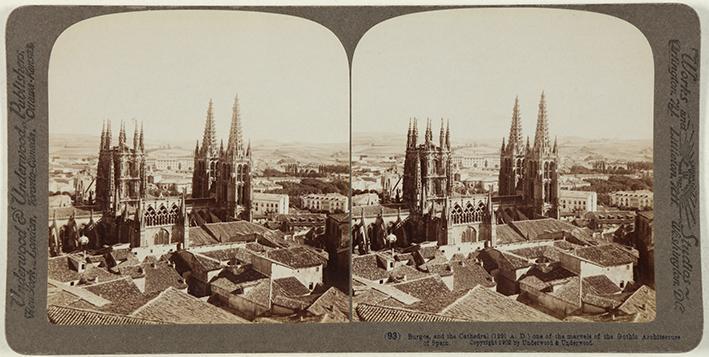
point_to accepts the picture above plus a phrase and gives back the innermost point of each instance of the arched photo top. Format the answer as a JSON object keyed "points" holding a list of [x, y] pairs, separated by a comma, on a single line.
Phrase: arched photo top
{"points": [[468, 65], [162, 67]]}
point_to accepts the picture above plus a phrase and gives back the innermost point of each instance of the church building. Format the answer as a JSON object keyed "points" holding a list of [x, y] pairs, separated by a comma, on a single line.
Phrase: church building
{"points": [[528, 186]]}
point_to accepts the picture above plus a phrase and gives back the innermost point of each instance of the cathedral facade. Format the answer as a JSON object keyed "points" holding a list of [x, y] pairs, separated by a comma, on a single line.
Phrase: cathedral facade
{"points": [[128, 213], [531, 172], [528, 186], [222, 176]]}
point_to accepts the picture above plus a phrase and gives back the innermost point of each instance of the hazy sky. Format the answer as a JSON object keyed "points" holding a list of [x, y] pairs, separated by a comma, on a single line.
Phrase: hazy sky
{"points": [[163, 67], [468, 65]]}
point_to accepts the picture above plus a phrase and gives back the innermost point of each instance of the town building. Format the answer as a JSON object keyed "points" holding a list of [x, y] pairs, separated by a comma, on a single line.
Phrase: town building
{"points": [[365, 199], [328, 202], [641, 199], [269, 203], [578, 201]]}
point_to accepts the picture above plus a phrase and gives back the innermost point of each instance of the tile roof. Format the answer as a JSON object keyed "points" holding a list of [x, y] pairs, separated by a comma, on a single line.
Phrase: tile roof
{"points": [[368, 296], [541, 277], [367, 267], [296, 257], [437, 303], [467, 276], [259, 293], [507, 235], [123, 294], [333, 303], [207, 263], [176, 307], [537, 228], [515, 261], [374, 313], [237, 275], [160, 276], [290, 286], [600, 284], [62, 315], [59, 269], [406, 273], [95, 274], [482, 304], [606, 255], [424, 288], [289, 302], [60, 297], [224, 255], [238, 231], [642, 303], [200, 237]]}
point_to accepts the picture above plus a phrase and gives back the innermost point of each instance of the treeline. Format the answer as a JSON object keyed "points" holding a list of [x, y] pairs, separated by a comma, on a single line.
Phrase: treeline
{"points": [[334, 169], [295, 190], [616, 183], [276, 173], [632, 167]]}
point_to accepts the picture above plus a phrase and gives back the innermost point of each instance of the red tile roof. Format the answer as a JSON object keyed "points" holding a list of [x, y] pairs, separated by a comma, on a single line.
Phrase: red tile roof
{"points": [[296, 257], [62, 315], [175, 307], [482, 304], [375, 313], [606, 255]]}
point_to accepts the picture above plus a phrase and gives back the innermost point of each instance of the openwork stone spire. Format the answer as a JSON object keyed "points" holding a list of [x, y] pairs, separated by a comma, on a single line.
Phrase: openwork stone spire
{"points": [[541, 136], [236, 142], [515, 140], [209, 138]]}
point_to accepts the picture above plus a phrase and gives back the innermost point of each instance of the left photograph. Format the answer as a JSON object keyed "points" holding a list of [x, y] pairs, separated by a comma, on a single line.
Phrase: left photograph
{"points": [[198, 171]]}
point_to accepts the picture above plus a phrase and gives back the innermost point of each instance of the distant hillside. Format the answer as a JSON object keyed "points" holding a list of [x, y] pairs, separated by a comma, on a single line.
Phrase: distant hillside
{"points": [[570, 148]]}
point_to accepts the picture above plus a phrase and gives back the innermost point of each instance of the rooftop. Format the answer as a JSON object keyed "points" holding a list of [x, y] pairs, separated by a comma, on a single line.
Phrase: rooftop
{"points": [[481, 304], [174, 306], [375, 313], [606, 255], [63, 315], [296, 257]]}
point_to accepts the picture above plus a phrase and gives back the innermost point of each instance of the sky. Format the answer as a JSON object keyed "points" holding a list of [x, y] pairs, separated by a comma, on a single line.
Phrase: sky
{"points": [[162, 68], [468, 65]]}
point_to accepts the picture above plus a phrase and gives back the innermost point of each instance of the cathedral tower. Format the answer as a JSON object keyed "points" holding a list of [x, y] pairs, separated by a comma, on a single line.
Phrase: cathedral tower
{"points": [[512, 156], [427, 169], [205, 159], [233, 186], [541, 179]]}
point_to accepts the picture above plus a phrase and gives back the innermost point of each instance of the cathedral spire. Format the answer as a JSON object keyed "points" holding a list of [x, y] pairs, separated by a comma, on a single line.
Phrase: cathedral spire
{"points": [[414, 133], [108, 134], [103, 135], [248, 149], [541, 136], [442, 136], [448, 134], [236, 143], [209, 138], [196, 149], [136, 135], [554, 149], [429, 133], [409, 135], [122, 135], [516, 127], [141, 142]]}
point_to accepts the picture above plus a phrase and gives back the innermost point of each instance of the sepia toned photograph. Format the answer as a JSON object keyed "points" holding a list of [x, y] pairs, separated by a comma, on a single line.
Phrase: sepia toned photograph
{"points": [[198, 170], [502, 168]]}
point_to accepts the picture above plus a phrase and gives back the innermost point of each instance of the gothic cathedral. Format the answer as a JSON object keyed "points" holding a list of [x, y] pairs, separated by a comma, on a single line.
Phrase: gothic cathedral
{"points": [[222, 176]]}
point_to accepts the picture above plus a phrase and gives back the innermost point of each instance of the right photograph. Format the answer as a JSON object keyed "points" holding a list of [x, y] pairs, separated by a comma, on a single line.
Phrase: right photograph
{"points": [[502, 168]]}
